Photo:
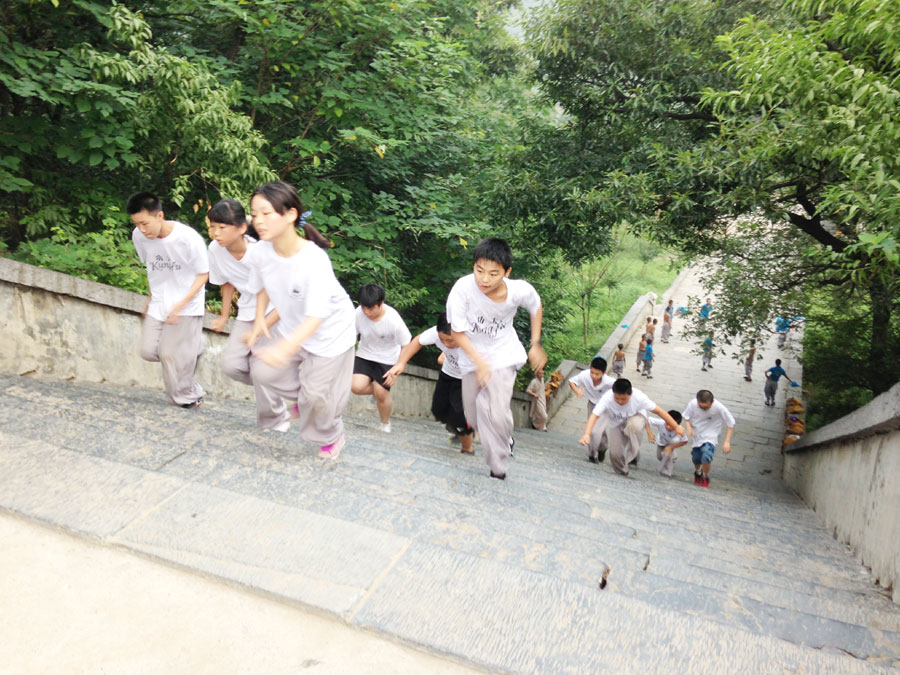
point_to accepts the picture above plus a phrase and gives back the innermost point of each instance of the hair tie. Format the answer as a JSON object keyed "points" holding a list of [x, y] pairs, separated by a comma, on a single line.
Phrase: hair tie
{"points": [[303, 217]]}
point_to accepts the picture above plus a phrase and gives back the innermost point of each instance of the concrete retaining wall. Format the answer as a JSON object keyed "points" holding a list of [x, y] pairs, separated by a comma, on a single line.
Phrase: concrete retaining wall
{"points": [[59, 326], [849, 472]]}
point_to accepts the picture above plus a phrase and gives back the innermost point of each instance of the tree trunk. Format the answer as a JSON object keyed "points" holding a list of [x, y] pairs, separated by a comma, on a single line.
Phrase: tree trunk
{"points": [[880, 379]]}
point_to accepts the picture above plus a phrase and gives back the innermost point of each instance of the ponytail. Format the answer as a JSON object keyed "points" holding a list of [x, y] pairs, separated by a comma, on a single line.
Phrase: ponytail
{"points": [[284, 197]]}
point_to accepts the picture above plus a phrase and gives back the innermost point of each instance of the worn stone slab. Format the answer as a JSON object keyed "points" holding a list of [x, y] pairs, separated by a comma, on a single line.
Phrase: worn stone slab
{"points": [[504, 617], [324, 562], [85, 494]]}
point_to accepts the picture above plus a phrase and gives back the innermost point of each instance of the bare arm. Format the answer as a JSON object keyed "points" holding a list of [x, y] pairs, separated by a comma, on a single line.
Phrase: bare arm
{"points": [[227, 296], [482, 368], [588, 428], [278, 354], [199, 282], [260, 325], [659, 412], [579, 392], [537, 357], [408, 351], [726, 445]]}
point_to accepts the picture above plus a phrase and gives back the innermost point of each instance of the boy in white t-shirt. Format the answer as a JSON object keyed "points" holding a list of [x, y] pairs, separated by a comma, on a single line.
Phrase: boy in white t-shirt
{"points": [[446, 402], [592, 384], [666, 442], [382, 334], [703, 418], [481, 308], [624, 408], [177, 271]]}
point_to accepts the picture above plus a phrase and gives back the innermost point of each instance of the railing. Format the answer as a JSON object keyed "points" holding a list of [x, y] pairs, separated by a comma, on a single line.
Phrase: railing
{"points": [[849, 472]]}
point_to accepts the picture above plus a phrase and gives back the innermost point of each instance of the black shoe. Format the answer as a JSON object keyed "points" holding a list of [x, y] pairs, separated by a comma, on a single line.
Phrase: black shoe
{"points": [[601, 455], [512, 445], [500, 476], [193, 404], [633, 462], [593, 460]]}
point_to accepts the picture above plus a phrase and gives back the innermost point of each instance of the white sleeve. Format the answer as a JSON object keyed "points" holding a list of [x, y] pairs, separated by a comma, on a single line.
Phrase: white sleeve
{"points": [[195, 252], [251, 260], [401, 332], [216, 273], [138, 245], [457, 306], [688, 410], [429, 337], [527, 297], [727, 416], [577, 380]]}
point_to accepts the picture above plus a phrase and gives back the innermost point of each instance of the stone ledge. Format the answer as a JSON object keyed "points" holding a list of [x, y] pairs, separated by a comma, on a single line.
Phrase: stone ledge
{"points": [[881, 415]]}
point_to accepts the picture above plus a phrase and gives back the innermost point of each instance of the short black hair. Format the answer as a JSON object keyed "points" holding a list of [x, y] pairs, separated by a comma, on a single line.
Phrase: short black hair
{"points": [[370, 295], [599, 363], [705, 396], [649, 340], [443, 326], [777, 362], [622, 386], [143, 201], [675, 415], [495, 250]]}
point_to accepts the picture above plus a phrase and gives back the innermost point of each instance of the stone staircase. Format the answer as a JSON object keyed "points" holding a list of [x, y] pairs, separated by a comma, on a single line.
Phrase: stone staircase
{"points": [[405, 536]]}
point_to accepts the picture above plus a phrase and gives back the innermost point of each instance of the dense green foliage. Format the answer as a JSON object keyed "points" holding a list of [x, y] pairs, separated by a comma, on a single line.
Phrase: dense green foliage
{"points": [[756, 135]]}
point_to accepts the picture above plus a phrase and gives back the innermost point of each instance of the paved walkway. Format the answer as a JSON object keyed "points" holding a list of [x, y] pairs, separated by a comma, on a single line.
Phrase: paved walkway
{"points": [[677, 376], [405, 538]]}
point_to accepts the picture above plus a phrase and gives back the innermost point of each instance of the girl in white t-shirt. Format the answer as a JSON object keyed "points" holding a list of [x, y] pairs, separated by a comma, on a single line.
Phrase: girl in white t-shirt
{"points": [[311, 361], [227, 223]]}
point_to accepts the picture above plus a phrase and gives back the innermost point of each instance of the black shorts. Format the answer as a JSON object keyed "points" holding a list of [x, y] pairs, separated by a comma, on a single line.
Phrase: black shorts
{"points": [[447, 405], [372, 369]]}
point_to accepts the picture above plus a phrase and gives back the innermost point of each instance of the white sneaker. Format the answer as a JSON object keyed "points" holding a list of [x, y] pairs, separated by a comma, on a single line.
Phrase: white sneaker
{"points": [[386, 427], [283, 427]]}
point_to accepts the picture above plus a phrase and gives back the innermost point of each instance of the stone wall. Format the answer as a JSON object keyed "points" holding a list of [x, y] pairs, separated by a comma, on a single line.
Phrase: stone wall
{"points": [[61, 327], [849, 472]]}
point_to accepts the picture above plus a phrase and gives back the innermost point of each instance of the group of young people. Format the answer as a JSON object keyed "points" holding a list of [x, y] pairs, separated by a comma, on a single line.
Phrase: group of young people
{"points": [[618, 413], [296, 328]]}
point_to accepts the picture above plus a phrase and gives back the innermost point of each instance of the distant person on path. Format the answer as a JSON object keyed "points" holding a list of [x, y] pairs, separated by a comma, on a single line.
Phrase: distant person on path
{"points": [[782, 326], [708, 348], [667, 441], [666, 327], [748, 362], [703, 419], [593, 383], [648, 359], [177, 271], [623, 410], [639, 361], [311, 362], [706, 310], [618, 361], [481, 307], [446, 402], [538, 393], [773, 374], [229, 245], [382, 334]]}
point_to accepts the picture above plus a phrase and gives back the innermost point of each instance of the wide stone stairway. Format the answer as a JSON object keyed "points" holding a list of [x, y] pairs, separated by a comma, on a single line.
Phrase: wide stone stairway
{"points": [[406, 537]]}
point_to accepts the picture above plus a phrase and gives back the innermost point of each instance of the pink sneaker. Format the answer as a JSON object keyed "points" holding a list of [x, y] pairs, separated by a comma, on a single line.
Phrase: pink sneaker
{"points": [[294, 412], [333, 450]]}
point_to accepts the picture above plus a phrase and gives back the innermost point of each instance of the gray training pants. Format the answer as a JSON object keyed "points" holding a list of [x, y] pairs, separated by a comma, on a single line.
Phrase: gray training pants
{"points": [[625, 443], [599, 440], [237, 363], [488, 412], [177, 347], [319, 384]]}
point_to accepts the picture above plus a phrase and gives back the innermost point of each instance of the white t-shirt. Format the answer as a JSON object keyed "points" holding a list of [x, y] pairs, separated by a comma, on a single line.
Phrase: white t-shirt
{"points": [[451, 356], [173, 262], [301, 286], [638, 404], [593, 393], [664, 436], [382, 340], [707, 423], [489, 324], [224, 268]]}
